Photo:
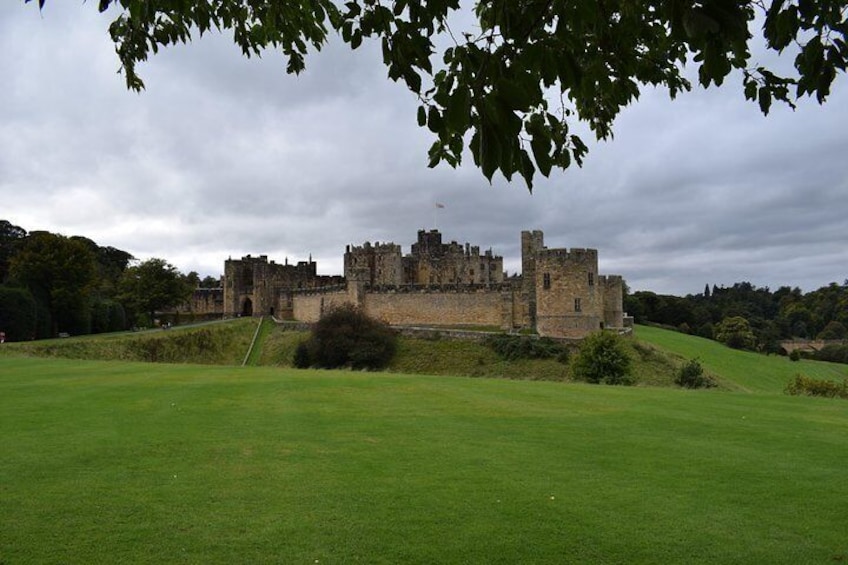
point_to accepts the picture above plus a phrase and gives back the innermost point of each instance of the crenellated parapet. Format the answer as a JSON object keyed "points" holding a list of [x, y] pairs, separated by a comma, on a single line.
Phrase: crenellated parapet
{"points": [[560, 292]]}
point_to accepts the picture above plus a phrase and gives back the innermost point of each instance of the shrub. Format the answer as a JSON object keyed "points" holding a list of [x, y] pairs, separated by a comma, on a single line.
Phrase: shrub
{"points": [[691, 375], [803, 385], [795, 355], [302, 357], [512, 347], [735, 332], [833, 352], [346, 337], [706, 330], [603, 358]]}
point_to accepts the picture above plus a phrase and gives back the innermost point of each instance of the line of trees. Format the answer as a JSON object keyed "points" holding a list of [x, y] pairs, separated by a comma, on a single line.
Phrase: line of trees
{"points": [[748, 317], [52, 284]]}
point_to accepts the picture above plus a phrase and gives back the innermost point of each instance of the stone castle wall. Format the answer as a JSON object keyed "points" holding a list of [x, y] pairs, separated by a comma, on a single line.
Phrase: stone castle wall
{"points": [[205, 302], [481, 307], [309, 307], [559, 293], [253, 285]]}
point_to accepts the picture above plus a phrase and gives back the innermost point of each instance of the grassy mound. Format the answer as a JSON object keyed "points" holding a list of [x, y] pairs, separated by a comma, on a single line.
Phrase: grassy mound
{"points": [[222, 343], [108, 462], [652, 366]]}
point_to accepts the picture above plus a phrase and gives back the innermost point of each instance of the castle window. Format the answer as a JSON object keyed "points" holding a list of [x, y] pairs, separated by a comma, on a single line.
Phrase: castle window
{"points": [[577, 305], [546, 281], [591, 279]]}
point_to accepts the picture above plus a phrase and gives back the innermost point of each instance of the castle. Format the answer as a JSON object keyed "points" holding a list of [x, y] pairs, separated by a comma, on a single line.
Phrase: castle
{"points": [[559, 293]]}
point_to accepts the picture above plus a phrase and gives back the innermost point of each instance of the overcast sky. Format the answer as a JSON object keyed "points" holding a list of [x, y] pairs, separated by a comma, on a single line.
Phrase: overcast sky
{"points": [[222, 156]]}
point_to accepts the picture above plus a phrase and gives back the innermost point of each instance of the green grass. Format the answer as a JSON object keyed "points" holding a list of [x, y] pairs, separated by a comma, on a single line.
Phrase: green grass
{"points": [[212, 343], [741, 370], [657, 355], [447, 357], [266, 328], [106, 462]]}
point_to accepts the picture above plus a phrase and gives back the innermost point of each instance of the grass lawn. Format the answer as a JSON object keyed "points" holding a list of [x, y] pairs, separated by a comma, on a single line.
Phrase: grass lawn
{"points": [[107, 462], [740, 370]]}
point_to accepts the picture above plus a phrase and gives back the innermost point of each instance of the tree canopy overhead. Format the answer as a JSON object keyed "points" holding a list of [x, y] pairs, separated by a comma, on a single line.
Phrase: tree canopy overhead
{"points": [[509, 85]]}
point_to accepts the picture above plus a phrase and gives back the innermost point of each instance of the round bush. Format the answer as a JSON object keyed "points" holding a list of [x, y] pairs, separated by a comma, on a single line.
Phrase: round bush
{"points": [[603, 358], [691, 375], [346, 337]]}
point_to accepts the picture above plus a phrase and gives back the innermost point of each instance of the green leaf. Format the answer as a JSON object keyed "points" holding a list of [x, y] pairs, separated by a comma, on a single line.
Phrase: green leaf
{"points": [[458, 110], [422, 116], [526, 169], [490, 152], [751, 89], [541, 147], [765, 100], [434, 120]]}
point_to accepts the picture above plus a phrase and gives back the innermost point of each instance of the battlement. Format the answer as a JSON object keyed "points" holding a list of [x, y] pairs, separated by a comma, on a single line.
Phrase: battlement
{"points": [[610, 280], [576, 254], [437, 288], [250, 259], [377, 247], [559, 292]]}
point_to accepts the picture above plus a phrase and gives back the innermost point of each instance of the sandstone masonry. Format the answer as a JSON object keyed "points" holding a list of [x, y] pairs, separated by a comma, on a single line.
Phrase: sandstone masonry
{"points": [[560, 292]]}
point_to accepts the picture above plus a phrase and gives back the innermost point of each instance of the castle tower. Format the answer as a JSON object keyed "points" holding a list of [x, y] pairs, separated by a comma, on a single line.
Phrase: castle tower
{"points": [[613, 289], [239, 279], [531, 243], [569, 293], [376, 265]]}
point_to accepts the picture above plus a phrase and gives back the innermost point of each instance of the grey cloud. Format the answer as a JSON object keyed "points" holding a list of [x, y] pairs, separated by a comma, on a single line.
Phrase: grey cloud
{"points": [[222, 156]]}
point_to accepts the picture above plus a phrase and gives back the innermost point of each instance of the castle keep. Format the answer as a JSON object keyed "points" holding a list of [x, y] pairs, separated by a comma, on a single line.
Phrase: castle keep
{"points": [[560, 292]]}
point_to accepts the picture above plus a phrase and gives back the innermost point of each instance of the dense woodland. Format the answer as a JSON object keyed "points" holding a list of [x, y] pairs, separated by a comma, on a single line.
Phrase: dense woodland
{"points": [[52, 284], [749, 317]]}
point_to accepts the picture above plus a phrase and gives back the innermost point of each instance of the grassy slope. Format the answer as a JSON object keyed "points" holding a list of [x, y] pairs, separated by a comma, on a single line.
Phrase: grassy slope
{"points": [[471, 359], [657, 354], [266, 329], [108, 462], [741, 370], [212, 343]]}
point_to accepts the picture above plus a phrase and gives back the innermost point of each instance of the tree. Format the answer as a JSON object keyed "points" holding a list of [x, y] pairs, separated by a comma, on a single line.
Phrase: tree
{"points": [[61, 273], [833, 330], [210, 282], [521, 71], [603, 358], [735, 332], [11, 239], [18, 314], [152, 286], [192, 279]]}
